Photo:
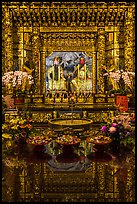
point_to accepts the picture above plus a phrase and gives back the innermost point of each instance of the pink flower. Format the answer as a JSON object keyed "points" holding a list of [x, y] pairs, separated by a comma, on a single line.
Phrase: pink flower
{"points": [[104, 127], [114, 124], [23, 134], [112, 129]]}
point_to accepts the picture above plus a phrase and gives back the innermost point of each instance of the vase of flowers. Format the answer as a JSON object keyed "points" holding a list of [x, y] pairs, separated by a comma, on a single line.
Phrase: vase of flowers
{"points": [[119, 129], [18, 128], [19, 83]]}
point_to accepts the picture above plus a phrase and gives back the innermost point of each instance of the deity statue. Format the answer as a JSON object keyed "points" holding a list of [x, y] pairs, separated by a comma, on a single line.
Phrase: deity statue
{"points": [[55, 74]]}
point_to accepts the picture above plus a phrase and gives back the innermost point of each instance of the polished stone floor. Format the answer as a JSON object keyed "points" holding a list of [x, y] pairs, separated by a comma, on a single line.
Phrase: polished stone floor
{"points": [[31, 175]]}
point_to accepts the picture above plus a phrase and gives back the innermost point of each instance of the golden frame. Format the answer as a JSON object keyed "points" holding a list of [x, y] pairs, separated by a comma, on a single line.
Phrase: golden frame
{"points": [[48, 50]]}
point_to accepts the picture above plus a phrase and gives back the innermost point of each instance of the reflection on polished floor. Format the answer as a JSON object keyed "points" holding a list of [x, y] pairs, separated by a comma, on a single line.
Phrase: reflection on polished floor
{"points": [[84, 176]]}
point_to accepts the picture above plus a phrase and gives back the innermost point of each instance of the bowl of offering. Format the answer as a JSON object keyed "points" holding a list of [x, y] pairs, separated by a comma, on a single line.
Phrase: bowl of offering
{"points": [[102, 140], [68, 140], [99, 142], [68, 143], [39, 142]]}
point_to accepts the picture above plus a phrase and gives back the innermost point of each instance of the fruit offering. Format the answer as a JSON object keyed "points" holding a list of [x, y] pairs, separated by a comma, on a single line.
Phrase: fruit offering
{"points": [[39, 140], [68, 140], [90, 139], [102, 139], [99, 139]]}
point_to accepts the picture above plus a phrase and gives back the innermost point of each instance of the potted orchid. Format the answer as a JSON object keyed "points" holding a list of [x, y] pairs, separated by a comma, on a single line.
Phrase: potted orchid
{"points": [[122, 84], [17, 83], [122, 81]]}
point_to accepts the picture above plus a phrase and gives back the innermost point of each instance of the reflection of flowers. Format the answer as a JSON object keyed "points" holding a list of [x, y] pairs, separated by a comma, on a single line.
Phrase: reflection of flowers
{"points": [[17, 128], [19, 81]]}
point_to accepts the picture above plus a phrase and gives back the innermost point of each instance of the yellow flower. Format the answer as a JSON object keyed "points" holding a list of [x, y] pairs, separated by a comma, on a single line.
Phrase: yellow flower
{"points": [[13, 121], [6, 136], [15, 127], [4, 126], [8, 144], [21, 122]]}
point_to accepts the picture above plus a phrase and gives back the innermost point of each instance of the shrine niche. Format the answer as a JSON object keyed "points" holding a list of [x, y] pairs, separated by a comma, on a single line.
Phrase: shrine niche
{"points": [[68, 71]]}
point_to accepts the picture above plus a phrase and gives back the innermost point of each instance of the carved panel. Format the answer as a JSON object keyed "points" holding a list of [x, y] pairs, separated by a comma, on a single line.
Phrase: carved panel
{"points": [[129, 41], [101, 51], [7, 39], [41, 117], [101, 116]]}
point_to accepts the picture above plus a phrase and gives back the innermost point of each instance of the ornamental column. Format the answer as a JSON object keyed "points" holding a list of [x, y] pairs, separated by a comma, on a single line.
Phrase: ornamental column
{"points": [[43, 71], [101, 58], [36, 58], [7, 40], [21, 47], [129, 40], [94, 70]]}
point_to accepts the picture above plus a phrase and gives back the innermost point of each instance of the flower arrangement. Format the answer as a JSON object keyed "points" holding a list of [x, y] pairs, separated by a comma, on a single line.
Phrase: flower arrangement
{"points": [[17, 129], [119, 129], [121, 81], [20, 82]]}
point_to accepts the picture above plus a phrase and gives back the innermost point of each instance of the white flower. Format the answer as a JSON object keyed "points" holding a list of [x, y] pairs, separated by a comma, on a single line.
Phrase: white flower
{"points": [[16, 78]]}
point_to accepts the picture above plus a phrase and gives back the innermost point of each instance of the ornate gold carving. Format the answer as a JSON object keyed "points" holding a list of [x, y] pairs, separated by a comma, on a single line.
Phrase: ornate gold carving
{"points": [[84, 114], [36, 57], [111, 100], [101, 51], [71, 42], [101, 100], [35, 100], [129, 40], [101, 116], [7, 39], [69, 115], [66, 27], [64, 14], [67, 41], [41, 117]]}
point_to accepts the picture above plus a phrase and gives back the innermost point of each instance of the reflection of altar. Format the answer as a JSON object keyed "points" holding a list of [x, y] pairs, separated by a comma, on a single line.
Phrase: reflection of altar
{"points": [[80, 164]]}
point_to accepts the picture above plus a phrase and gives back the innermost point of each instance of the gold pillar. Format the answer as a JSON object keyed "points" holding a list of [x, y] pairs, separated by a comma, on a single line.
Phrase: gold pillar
{"points": [[43, 72], [129, 40], [94, 70], [101, 51], [36, 58], [92, 54], [20, 47], [7, 40]]}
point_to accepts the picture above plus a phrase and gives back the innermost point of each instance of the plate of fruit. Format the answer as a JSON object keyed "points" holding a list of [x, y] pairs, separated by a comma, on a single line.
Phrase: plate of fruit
{"points": [[102, 140], [68, 140], [90, 140], [39, 140]]}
